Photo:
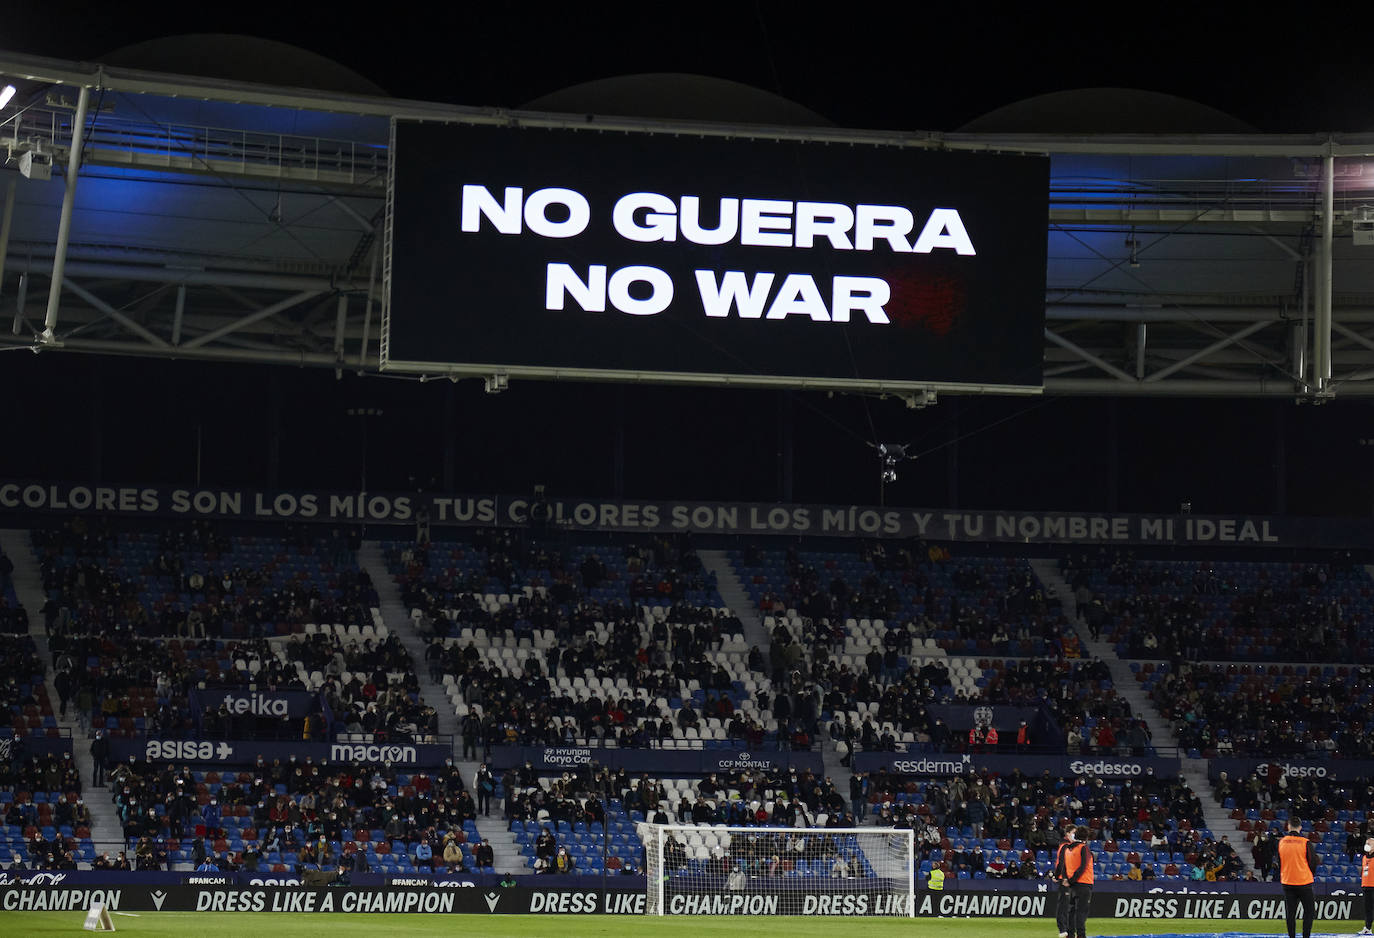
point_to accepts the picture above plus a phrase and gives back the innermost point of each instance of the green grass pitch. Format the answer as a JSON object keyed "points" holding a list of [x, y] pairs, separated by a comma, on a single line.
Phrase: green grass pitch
{"points": [[287, 925]]}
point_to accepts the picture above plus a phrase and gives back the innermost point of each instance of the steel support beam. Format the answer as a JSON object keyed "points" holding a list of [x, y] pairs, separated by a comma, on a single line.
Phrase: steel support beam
{"points": [[88, 270], [5, 228], [119, 317], [1298, 342], [217, 353], [1068, 312], [1089, 357], [1192, 215], [283, 331], [19, 301], [236, 296], [1065, 369], [179, 314], [189, 260], [1222, 373], [137, 310], [352, 213], [1322, 335], [1179, 388], [1239, 355], [263, 313], [1287, 249], [367, 308], [1203, 353], [340, 320], [1353, 335], [64, 223], [1140, 328]]}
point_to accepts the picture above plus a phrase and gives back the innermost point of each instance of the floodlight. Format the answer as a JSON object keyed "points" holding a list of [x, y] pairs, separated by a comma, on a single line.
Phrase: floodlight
{"points": [[1362, 224], [35, 164], [6, 94]]}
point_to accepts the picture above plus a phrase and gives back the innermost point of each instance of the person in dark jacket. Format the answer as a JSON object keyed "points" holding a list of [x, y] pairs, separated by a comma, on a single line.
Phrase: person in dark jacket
{"points": [[100, 755]]}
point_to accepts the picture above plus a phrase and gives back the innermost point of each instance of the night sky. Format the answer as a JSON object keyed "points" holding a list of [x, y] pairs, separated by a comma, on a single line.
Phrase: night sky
{"points": [[859, 65], [914, 66]]}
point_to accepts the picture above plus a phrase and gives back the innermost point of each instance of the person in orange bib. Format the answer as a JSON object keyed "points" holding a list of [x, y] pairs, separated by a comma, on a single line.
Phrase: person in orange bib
{"points": [[1063, 909], [1297, 865], [1078, 874], [1367, 883]]}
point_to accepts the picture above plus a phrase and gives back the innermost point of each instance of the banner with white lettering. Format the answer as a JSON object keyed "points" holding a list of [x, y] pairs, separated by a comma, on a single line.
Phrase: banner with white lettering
{"points": [[656, 761], [1329, 906], [1293, 767], [245, 752], [936, 763], [24, 499], [463, 897], [240, 702], [842, 898]]}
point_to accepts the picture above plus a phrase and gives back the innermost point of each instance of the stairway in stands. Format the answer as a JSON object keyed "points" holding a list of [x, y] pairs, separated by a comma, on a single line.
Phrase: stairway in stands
{"points": [[107, 833], [1123, 678], [398, 619], [506, 856], [1218, 819], [737, 598]]}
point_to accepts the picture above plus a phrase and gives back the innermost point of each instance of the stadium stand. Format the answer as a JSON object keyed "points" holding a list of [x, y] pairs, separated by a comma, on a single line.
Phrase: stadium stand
{"points": [[1335, 815], [1226, 610], [137, 620], [1278, 709], [890, 714], [858, 599], [617, 644], [46, 821], [26, 707], [627, 646], [888, 634], [593, 813], [1150, 826], [991, 827], [14, 619], [292, 816], [195, 581], [462, 582]]}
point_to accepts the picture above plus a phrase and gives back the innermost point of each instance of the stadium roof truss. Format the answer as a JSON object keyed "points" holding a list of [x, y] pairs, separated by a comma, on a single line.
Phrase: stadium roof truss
{"points": [[204, 219]]}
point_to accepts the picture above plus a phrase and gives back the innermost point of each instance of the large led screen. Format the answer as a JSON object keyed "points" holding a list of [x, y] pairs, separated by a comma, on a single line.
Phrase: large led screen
{"points": [[654, 256]]}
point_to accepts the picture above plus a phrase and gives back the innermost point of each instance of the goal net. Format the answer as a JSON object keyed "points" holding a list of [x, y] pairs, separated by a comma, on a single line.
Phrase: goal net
{"points": [[719, 870]]}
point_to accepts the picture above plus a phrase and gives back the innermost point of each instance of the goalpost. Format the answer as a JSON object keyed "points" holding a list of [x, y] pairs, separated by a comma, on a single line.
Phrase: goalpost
{"points": [[720, 870]]}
